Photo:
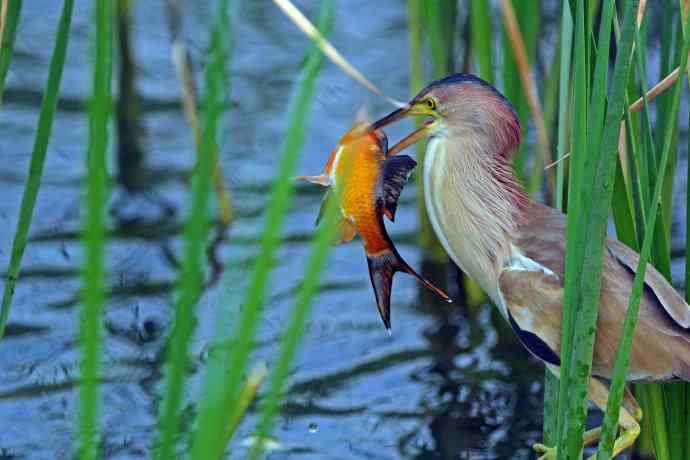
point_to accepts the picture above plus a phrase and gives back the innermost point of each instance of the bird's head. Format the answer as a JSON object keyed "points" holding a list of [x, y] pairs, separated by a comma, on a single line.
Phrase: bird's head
{"points": [[462, 106]]}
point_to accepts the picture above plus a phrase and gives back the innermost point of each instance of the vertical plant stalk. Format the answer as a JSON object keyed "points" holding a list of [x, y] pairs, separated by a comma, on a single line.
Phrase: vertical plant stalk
{"points": [[91, 317], [480, 29], [529, 22], [9, 31], [550, 382], [437, 18], [296, 16], [295, 329], [573, 239], [646, 154], [528, 85], [190, 283], [600, 165], [623, 357], [3, 16], [191, 277], [248, 394], [181, 61], [130, 155], [596, 190], [38, 155], [209, 437], [563, 103]]}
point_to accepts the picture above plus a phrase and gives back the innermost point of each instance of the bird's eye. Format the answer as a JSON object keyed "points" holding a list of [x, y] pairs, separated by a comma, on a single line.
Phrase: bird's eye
{"points": [[430, 104]]}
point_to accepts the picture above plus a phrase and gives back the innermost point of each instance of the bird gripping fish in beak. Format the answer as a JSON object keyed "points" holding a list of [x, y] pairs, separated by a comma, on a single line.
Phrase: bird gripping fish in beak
{"points": [[371, 182]]}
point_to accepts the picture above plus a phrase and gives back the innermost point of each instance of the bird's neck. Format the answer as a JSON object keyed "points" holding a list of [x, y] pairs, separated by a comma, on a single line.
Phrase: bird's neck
{"points": [[475, 204]]}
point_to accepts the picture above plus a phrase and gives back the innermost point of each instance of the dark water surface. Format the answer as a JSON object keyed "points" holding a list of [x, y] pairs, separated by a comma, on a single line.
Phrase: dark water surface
{"points": [[451, 383]]}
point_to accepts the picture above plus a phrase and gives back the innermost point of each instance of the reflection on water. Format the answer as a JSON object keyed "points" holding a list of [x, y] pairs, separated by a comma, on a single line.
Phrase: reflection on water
{"points": [[449, 384]]}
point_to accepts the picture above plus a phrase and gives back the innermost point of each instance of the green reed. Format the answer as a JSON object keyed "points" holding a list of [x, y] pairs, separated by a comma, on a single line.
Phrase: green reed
{"points": [[38, 155], [593, 166], [191, 281], [481, 37], [676, 443], [14, 9], [94, 237], [435, 22], [551, 384], [529, 20], [212, 434]]}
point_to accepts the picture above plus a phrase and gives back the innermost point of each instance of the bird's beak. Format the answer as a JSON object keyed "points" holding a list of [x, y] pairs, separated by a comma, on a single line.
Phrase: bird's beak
{"points": [[392, 117], [415, 136]]}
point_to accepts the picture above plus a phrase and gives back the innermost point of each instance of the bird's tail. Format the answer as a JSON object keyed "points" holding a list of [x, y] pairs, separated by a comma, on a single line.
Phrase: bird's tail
{"points": [[382, 266]]}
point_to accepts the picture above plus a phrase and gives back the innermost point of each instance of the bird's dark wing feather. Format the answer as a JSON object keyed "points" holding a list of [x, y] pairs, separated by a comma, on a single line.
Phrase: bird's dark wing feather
{"points": [[394, 174], [533, 300]]}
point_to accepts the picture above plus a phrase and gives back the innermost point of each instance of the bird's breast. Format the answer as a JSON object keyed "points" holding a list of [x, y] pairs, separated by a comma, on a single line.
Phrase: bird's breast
{"points": [[461, 217]]}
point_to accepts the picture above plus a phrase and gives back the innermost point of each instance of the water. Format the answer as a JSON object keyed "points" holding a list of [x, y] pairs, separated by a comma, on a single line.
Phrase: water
{"points": [[450, 383]]}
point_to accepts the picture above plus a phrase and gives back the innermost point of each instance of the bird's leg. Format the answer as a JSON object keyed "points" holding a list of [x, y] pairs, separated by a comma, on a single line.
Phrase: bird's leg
{"points": [[630, 404], [549, 453], [598, 394]]}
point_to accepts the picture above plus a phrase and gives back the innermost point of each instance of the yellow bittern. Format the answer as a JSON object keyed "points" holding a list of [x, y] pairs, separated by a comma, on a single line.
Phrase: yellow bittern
{"points": [[514, 247]]}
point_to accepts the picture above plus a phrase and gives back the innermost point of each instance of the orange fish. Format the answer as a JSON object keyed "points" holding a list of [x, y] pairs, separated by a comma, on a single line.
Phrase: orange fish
{"points": [[372, 184]]}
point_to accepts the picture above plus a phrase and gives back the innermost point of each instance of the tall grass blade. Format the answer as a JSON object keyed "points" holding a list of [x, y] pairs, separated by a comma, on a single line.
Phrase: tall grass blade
{"points": [[333, 54], [38, 155], [295, 329], [563, 103], [190, 283], [94, 239], [9, 32], [438, 20], [550, 381], [482, 40], [529, 21], [596, 196], [530, 91], [623, 358], [209, 437], [573, 239], [183, 68]]}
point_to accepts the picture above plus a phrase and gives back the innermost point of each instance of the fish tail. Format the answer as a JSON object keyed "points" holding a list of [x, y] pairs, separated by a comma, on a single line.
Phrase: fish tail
{"points": [[440, 293], [382, 266]]}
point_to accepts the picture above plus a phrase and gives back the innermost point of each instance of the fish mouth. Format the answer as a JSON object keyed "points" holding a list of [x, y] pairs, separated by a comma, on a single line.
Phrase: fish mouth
{"points": [[427, 129]]}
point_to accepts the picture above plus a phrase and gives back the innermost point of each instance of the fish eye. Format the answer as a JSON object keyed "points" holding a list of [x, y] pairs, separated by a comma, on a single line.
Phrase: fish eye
{"points": [[430, 103]]}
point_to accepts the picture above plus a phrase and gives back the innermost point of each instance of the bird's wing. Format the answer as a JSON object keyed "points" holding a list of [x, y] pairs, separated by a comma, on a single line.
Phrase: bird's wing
{"points": [[665, 293], [533, 297], [533, 300]]}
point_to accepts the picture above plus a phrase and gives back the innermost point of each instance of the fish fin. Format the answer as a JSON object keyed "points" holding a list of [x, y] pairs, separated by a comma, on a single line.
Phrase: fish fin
{"points": [[346, 231], [382, 267], [321, 179], [394, 175], [322, 208], [362, 116]]}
